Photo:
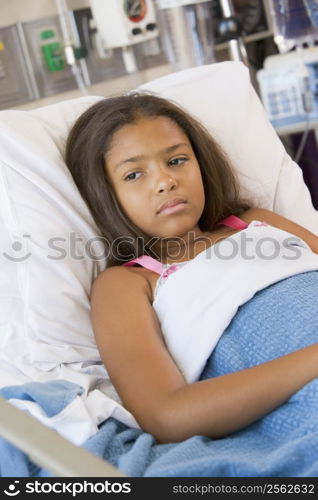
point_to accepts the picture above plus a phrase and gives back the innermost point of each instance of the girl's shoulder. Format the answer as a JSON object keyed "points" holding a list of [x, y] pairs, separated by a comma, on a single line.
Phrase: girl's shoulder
{"points": [[263, 215], [278, 221], [270, 217], [260, 214], [121, 277]]}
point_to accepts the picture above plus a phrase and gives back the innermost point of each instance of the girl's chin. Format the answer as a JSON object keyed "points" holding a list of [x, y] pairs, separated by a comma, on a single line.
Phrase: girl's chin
{"points": [[174, 229]]}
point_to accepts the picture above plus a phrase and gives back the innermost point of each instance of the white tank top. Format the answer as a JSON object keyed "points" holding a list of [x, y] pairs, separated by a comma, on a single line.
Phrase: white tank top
{"points": [[196, 304]]}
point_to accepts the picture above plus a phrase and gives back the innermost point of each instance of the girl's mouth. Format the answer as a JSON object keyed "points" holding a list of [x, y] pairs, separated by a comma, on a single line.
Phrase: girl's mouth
{"points": [[177, 207]]}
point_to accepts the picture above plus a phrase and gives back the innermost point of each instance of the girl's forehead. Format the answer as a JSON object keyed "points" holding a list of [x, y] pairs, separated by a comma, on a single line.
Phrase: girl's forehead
{"points": [[159, 128], [146, 137]]}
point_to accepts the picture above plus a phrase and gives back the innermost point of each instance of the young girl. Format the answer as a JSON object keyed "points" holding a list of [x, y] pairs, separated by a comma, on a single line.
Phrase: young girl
{"points": [[164, 196]]}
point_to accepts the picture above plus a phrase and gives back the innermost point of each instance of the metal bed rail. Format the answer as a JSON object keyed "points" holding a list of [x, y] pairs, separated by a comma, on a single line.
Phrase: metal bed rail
{"points": [[48, 449]]}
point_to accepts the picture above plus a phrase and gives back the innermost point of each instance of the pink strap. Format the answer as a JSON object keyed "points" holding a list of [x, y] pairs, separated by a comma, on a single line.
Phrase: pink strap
{"points": [[148, 262], [233, 221], [156, 266]]}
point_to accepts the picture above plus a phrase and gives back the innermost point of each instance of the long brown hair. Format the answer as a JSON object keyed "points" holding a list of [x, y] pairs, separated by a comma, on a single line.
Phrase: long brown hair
{"points": [[90, 139]]}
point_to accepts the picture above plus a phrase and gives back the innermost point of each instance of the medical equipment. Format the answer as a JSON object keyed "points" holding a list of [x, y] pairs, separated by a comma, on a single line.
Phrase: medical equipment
{"points": [[17, 84], [123, 24], [71, 52], [230, 30], [186, 28], [253, 15], [107, 64], [45, 324], [47, 61], [102, 64], [289, 87], [295, 22], [288, 81], [52, 50]]}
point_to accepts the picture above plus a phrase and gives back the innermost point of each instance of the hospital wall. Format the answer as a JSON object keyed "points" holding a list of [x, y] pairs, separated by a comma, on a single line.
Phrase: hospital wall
{"points": [[15, 11]]}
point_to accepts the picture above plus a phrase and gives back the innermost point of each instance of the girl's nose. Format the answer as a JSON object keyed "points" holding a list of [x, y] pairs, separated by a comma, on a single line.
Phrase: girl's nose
{"points": [[166, 183]]}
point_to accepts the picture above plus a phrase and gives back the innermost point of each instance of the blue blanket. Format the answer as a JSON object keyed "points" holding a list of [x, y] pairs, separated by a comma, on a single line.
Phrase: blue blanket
{"points": [[277, 320]]}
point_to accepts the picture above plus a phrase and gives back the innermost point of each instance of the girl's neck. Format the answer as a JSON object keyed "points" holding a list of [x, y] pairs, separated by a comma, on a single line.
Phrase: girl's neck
{"points": [[187, 248], [179, 248]]}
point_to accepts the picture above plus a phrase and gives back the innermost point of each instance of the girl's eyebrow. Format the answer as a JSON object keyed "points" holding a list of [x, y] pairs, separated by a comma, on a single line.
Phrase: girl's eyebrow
{"points": [[133, 159]]}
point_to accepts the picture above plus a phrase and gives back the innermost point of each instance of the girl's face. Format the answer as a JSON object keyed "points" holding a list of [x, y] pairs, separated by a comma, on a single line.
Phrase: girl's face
{"points": [[150, 163]]}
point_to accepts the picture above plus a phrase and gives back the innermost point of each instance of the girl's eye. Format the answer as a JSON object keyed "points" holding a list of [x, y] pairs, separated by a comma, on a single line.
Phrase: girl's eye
{"points": [[130, 177], [177, 161], [173, 162]]}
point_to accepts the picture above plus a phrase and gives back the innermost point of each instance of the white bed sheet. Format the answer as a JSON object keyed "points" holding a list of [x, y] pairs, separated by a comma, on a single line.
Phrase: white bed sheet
{"points": [[80, 419]]}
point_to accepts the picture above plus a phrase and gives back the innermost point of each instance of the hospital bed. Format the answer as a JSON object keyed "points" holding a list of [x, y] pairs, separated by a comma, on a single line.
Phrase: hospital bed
{"points": [[50, 254]]}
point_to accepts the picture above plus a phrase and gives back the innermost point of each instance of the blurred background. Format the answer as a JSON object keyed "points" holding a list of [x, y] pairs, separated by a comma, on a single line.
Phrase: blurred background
{"points": [[51, 50]]}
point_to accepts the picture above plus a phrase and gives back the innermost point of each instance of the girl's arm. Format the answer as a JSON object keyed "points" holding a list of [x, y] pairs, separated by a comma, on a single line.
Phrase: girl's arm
{"points": [[152, 388], [282, 223]]}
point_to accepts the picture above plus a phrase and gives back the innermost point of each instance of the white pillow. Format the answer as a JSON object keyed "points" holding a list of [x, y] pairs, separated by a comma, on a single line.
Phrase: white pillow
{"points": [[44, 302], [44, 293]]}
